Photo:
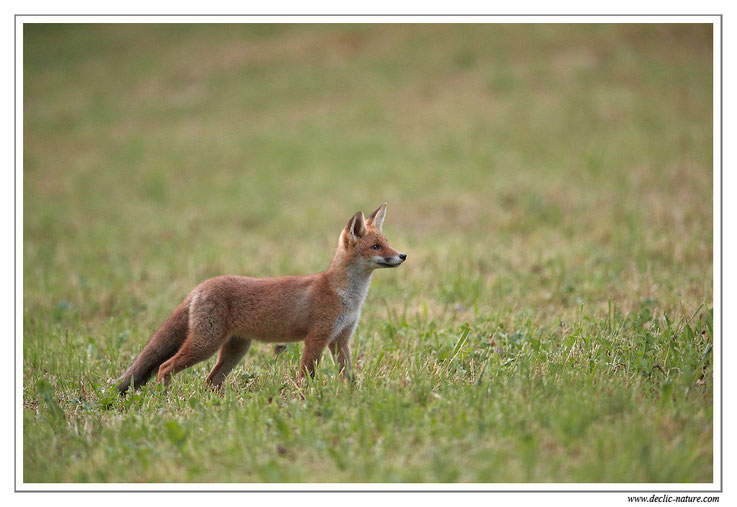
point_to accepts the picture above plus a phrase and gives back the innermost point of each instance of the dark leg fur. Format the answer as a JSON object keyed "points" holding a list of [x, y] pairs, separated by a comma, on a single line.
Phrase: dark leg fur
{"points": [[230, 354]]}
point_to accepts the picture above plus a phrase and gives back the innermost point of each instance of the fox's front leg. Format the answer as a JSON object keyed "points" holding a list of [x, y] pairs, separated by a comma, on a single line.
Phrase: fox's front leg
{"points": [[341, 352], [314, 344]]}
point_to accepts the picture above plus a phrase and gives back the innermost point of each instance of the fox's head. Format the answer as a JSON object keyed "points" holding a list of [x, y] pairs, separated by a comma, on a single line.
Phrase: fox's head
{"points": [[362, 243]]}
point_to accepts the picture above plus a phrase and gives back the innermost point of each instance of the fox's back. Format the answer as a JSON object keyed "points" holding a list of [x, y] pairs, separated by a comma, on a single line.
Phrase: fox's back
{"points": [[265, 309]]}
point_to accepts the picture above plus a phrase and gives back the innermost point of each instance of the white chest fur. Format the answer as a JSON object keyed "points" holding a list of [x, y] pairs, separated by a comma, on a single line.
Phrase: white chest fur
{"points": [[352, 296]]}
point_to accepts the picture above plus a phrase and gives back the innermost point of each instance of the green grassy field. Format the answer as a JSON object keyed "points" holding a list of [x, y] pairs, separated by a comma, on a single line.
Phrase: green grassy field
{"points": [[551, 184]]}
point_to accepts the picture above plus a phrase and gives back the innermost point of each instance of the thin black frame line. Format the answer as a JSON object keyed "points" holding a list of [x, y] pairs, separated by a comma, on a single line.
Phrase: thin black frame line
{"points": [[721, 253], [15, 252], [702, 492], [371, 15], [721, 250]]}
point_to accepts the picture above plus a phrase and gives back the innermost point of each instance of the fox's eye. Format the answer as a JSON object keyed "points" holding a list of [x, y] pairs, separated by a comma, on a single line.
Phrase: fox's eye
{"points": [[375, 247]]}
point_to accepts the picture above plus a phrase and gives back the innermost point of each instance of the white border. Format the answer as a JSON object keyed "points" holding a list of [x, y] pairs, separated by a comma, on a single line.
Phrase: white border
{"points": [[368, 19], [19, 253], [633, 488], [717, 256]]}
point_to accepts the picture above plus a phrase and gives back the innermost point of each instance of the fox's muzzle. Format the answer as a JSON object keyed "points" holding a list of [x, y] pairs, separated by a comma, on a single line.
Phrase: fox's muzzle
{"points": [[391, 262]]}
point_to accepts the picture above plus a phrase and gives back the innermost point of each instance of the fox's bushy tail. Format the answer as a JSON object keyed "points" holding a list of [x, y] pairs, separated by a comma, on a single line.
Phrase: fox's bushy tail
{"points": [[164, 343]]}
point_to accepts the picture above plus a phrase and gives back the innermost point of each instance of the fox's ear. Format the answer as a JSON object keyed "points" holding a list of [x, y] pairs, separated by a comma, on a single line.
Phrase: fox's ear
{"points": [[377, 217], [356, 227]]}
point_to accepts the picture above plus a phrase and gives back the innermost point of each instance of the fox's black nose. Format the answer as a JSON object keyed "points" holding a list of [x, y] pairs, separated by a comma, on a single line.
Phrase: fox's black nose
{"points": [[402, 256]]}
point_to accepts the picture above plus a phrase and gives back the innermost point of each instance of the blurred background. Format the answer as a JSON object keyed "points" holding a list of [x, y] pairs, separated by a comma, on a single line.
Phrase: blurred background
{"points": [[539, 162], [537, 175]]}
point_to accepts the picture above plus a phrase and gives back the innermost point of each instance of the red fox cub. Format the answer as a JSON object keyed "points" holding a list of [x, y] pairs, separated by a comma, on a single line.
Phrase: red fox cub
{"points": [[227, 313]]}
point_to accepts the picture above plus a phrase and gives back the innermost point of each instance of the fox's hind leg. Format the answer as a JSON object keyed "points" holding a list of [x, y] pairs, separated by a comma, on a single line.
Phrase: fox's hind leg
{"points": [[207, 333], [194, 350], [230, 354]]}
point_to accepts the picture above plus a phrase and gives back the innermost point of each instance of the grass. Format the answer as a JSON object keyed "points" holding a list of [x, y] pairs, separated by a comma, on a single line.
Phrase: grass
{"points": [[552, 185]]}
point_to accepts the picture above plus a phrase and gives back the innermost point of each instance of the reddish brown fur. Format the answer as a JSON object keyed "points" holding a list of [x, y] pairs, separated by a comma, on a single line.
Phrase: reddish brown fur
{"points": [[227, 312]]}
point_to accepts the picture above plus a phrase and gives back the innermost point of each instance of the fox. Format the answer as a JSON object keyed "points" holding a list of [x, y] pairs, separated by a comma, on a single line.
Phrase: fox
{"points": [[228, 312]]}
